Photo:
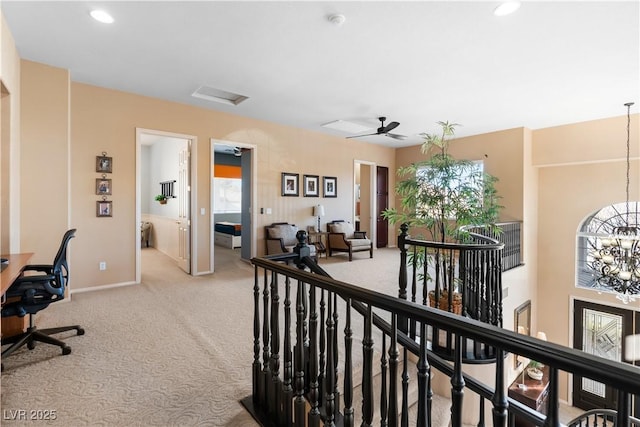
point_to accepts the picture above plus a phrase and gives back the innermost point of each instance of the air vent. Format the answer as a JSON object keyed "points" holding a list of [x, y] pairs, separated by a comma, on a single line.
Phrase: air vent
{"points": [[217, 95]]}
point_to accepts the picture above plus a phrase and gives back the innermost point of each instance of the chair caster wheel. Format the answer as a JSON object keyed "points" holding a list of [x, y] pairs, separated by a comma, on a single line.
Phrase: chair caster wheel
{"points": [[31, 345], [66, 350], [80, 331]]}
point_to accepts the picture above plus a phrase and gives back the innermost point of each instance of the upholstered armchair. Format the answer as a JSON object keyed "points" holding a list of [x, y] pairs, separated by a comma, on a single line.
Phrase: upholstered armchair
{"points": [[145, 230], [344, 238], [280, 237]]}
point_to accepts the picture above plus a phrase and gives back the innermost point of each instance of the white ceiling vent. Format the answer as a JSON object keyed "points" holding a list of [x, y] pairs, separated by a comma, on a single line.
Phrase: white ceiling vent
{"points": [[217, 95]]}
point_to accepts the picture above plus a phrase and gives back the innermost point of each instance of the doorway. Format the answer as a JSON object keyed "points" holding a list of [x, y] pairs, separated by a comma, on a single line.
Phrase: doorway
{"points": [[600, 330], [163, 168], [364, 197], [233, 175]]}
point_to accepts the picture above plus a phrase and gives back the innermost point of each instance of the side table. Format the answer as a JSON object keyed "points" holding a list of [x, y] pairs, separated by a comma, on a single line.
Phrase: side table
{"points": [[315, 238], [533, 394]]}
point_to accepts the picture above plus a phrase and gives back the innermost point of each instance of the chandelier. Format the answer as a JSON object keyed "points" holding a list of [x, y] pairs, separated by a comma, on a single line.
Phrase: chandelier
{"points": [[616, 258]]}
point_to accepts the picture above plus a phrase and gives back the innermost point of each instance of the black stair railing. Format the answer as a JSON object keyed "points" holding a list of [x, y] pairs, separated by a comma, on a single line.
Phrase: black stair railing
{"points": [[461, 278], [321, 378]]}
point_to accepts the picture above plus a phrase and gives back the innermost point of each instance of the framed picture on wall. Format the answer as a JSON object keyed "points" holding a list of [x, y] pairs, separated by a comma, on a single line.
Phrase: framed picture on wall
{"points": [[104, 164], [103, 186], [290, 184], [330, 186], [104, 208], [310, 185]]}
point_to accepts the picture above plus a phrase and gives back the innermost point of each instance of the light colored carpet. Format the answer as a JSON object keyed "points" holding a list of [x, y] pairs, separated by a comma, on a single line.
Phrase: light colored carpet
{"points": [[164, 353]]}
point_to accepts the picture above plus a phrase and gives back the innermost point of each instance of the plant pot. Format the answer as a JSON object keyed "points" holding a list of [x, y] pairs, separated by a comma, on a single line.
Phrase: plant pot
{"points": [[534, 373], [163, 202], [443, 303]]}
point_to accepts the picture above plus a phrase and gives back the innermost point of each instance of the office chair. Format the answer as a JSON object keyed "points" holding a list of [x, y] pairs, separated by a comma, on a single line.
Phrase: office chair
{"points": [[29, 294]]}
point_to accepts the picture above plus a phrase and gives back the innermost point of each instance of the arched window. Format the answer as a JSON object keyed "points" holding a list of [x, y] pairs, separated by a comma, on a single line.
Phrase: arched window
{"points": [[598, 226]]}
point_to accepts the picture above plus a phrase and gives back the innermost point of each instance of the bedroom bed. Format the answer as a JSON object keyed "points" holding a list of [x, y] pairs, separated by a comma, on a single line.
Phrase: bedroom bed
{"points": [[227, 234]]}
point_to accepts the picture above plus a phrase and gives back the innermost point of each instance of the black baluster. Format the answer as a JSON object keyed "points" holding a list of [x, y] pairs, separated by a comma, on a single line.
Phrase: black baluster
{"points": [[500, 404], [457, 384], [553, 416], [394, 356], [383, 386], [423, 373], [348, 368], [274, 401], [287, 393], [367, 370], [257, 392], [624, 409], [314, 413], [299, 404], [267, 381], [404, 421], [322, 387], [330, 372], [336, 358], [481, 417]]}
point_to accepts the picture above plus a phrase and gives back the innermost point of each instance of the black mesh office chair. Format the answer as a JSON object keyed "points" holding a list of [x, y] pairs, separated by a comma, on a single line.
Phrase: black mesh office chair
{"points": [[33, 292]]}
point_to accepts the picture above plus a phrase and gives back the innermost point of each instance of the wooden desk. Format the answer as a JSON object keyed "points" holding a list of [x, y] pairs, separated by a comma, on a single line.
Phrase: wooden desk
{"points": [[17, 262], [534, 395]]}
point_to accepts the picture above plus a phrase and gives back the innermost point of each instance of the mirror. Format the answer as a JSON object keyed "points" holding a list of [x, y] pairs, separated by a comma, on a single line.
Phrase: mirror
{"points": [[522, 324]]}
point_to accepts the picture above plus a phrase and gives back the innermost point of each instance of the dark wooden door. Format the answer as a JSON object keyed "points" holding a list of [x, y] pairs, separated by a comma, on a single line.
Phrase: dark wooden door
{"points": [[382, 203], [600, 330]]}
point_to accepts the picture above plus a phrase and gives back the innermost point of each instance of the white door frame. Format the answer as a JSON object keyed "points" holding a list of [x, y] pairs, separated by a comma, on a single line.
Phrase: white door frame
{"points": [[254, 193], [193, 218], [372, 196]]}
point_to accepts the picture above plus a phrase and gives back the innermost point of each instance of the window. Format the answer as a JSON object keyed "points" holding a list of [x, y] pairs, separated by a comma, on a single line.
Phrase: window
{"points": [[227, 195], [600, 224], [464, 184]]}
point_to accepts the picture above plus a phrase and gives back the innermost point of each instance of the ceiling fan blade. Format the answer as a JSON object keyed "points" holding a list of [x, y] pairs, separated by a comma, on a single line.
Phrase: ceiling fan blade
{"points": [[396, 136], [359, 136], [391, 126]]}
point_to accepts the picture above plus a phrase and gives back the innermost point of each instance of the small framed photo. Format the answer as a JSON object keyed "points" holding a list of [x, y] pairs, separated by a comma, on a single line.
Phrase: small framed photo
{"points": [[330, 186], [311, 184], [104, 208], [290, 184], [103, 186], [104, 164]]}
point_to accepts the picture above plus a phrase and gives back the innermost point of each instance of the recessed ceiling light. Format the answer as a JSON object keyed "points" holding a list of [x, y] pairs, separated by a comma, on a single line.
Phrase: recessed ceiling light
{"points": [[101, 16], [506, 8]]}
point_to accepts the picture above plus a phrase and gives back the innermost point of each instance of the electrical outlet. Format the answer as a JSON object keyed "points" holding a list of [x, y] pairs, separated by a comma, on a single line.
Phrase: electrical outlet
{"points": [[103, 265]]}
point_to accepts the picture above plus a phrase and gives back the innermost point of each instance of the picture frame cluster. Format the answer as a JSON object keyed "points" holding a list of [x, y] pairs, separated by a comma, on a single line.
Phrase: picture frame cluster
{"points": [[104, 165], [290, 183]]}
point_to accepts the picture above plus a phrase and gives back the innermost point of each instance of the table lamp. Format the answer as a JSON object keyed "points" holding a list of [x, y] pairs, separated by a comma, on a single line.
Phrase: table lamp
{"points": [[525, 361], [318, 210]]}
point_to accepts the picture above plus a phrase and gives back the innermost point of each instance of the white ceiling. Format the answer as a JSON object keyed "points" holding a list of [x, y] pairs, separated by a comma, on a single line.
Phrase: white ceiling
{"points": [[415, 62]]}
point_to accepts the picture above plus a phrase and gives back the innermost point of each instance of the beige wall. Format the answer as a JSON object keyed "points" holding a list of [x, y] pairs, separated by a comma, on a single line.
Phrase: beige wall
{"points": [[105, 120], [570, 189], [9, 141], [44, 150]]}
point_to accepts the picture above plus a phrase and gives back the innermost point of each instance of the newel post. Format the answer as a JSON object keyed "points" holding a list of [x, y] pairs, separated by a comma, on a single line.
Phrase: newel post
{"points": [[403, 324]]}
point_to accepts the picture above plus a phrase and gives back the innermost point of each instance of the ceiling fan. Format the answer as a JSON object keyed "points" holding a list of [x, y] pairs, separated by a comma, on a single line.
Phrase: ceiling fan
{"points": [[384, 130]]}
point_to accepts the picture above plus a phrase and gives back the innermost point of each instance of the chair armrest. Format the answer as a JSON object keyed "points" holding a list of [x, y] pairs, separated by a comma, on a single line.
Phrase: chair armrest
{"points": [[359, 234], [45, 268], [338, 240], [275, 245], [41, 281]]}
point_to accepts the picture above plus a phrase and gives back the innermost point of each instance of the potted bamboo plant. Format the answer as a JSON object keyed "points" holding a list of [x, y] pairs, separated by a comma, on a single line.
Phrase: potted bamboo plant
{"points": [[441, 194]]}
